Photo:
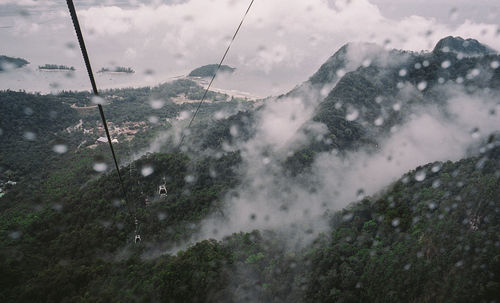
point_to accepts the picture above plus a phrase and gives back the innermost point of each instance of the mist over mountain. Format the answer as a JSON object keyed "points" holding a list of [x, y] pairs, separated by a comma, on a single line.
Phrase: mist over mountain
{"points": [[377, 179]]}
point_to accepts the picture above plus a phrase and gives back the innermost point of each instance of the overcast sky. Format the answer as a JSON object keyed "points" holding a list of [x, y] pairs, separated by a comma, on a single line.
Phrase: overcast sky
{"points": [[280, 45]]}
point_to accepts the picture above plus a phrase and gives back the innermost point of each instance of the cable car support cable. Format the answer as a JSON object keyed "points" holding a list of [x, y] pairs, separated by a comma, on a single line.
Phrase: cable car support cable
{"points": [[215, 73]]}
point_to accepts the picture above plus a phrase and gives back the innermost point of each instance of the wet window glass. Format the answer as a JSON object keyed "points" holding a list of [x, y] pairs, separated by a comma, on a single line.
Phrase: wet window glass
{"points": [[249, 151]]}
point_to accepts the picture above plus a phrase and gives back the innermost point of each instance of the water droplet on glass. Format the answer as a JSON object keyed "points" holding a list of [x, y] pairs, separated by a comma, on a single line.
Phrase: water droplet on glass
{"points": [[351, 114], [445, 64], [459, 80], [98, 100], [340, 73], [426, 63], [395, 222], [30, 136], [367, 62], [436, 167], [153, 119], [396, 107], [403, 72], [379, 121], [475, 133], [60, 148], [15, 235], [495, 64], [233, 130], [418, 65], [28, 111], [360, 194], [422, 85], [473, 73], [432, 205], [420, 175], [100, 167], [147, 170], [189, 178], [157, 104], [407, 267], [347, 217]]}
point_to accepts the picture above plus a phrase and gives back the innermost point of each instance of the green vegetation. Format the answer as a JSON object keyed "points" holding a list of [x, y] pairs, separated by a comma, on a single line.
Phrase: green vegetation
{"points": [[118, 69], [208, 71], [56, 67], [66, 231]]}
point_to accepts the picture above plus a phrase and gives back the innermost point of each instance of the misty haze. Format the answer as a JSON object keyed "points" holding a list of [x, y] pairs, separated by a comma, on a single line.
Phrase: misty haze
{"points": [[249, 151]]}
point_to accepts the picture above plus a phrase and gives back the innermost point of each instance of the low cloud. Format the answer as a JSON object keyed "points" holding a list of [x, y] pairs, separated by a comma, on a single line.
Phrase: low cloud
{"points": [[269, 198]]}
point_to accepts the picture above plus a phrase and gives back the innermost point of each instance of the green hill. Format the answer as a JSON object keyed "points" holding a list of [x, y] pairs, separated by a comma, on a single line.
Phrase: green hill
{"points": [[208, 71]]}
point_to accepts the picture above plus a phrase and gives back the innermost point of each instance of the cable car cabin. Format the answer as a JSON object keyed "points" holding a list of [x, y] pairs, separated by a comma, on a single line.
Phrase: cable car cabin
{"points": [[137, 239], [163, 190]]}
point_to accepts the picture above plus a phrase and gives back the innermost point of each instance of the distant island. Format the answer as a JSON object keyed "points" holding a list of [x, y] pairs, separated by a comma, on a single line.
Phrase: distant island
{"points": [[118, 69], [8, 63], [56, 67], [209, 70]]}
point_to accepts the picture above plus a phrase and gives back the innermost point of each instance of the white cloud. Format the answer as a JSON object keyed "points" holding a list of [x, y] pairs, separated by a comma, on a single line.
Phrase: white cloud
{"points": [[280, 44]]}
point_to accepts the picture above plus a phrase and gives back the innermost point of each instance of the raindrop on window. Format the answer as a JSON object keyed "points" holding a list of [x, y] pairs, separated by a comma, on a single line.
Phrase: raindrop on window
{"points": [[436, 167], [459, 80], [407, 267], [100, 167], [15, 235], [340, 73], [422, 85], [360, 194], [396, 107], [367, 62], [98, 100], [233, 130], [352, 114], [426, 63], [473, 73], [418, 65], [60, 148], [153, 119], [475, 133], [403, 72], [379, 121], [117, 203], [28, 111], [495, 64], [432, 205], [420, 175], [30, 136], [147, 170], [395, 222], [347, 217], [157, 104], [445, 64], [189, 178]]}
